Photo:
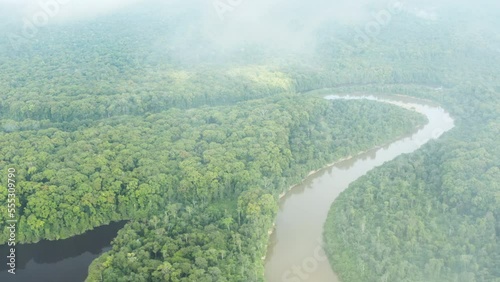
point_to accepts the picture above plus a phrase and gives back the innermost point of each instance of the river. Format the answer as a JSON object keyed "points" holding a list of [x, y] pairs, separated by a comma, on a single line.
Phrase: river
{"points": [[295, 251]]}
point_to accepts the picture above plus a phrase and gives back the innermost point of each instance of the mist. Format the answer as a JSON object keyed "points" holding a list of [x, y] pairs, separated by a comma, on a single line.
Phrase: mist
{"points": [[229, 26]]}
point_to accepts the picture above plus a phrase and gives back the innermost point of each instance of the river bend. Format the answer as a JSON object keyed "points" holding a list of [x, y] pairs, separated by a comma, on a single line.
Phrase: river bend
{"points": [[295, 251]]}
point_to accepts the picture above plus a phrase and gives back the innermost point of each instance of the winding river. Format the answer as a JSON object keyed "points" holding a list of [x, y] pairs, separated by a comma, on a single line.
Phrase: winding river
{"points": [[295, 252]]}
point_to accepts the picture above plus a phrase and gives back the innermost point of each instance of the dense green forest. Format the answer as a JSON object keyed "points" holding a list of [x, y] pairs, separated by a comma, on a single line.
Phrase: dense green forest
{"points": [[106, 123]]}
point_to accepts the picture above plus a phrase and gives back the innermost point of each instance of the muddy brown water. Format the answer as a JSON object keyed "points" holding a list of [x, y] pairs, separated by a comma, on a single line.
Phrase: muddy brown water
{"points": [[295, 251]]}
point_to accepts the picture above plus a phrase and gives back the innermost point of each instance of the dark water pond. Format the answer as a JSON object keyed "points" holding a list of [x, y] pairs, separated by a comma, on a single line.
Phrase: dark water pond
{"points": [[59, 261]]}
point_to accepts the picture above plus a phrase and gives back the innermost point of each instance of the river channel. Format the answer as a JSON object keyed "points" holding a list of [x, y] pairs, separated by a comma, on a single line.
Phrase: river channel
{"points": [[295, 251]]}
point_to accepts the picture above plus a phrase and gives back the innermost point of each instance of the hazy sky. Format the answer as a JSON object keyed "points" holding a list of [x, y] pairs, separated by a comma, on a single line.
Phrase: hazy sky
{"points": [[245, 11], [289, 24]]}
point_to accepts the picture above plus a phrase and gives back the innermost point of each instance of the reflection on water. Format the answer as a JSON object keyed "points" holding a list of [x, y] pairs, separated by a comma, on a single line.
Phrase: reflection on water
{"points": [[295, 248], [63, 260]]}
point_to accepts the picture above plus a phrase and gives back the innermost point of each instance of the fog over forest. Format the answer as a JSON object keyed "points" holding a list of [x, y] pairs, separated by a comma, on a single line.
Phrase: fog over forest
{"points": [[280, 25]]}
